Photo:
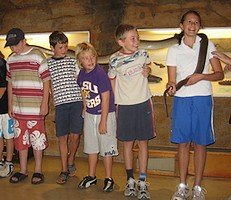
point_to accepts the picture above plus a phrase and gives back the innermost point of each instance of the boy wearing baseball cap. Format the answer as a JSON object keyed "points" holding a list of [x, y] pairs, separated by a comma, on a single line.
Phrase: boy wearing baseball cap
{"points": [[28, 94], [14, 36]]}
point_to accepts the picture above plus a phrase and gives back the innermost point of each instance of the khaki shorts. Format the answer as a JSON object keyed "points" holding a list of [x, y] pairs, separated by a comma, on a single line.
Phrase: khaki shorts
{"points": [[94, 142]]}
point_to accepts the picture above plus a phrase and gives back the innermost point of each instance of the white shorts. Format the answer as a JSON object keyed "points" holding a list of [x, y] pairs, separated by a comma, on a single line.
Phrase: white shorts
{"points": [[6, 126], [94, 142]]}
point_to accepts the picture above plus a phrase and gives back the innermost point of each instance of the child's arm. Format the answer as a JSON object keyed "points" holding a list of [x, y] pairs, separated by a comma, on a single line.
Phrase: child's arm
{"points": [[113, 84], [44, 104], [217, 74], [105, 109], [171, 80], [146, 70], [223, 57], [84, 104], [9, 92], [2, 91]]}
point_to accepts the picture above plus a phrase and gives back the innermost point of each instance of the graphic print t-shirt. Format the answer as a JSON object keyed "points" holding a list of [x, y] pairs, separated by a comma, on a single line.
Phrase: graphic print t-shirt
{"points": [[93, 84]]}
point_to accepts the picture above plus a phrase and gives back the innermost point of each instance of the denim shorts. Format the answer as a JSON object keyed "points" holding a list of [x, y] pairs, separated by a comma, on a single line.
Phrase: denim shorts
{"points": [[68, 118]]}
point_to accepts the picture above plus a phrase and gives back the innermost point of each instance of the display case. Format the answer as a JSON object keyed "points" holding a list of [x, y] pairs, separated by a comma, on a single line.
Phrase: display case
{"points": [[221, 37]]}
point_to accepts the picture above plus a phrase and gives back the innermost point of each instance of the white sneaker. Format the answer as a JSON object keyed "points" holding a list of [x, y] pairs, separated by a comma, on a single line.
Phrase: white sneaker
{"points": [[142, 189], [130, 188], [1, 165], [7, 169], [182, 192], [198, 193]]}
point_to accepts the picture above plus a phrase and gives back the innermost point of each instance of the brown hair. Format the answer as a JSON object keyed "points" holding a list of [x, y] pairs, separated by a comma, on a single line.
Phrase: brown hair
{"points": [[57, 37], [180, 36], [122, 29], [190, 12]]}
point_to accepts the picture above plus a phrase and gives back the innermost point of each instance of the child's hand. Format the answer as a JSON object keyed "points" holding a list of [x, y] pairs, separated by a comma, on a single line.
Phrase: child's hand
{"points": [[102, 127], [221, 56], [172, 88], [44, 109], [146, 71], [83, 112], [227, 68], [10, 112], [194, 78]]}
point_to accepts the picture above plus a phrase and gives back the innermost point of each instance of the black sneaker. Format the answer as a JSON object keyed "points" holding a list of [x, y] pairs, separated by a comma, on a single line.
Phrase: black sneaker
{"points": [[108, 185], [87, 182]]}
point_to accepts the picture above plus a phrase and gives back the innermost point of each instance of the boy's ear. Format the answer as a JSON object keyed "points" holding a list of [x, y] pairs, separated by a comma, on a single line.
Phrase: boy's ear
{"points": [[24, 41], [120, 42], [52, 48]]}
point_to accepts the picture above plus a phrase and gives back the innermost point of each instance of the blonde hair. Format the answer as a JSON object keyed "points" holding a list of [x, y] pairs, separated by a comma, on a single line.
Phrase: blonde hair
{"points": [[84, 47]]}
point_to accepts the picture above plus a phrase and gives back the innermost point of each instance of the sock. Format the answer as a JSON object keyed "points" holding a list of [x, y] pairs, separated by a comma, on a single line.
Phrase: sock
{"points": [[129, 173], [142, 176]]}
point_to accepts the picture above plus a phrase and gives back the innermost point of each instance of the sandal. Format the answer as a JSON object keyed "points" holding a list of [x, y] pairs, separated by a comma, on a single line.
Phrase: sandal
{"points": [[71, 170], [18, 177], [37, 178], [62, 178]]}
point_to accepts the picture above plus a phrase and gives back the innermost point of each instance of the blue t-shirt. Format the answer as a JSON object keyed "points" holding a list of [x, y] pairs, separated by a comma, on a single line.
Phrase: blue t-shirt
{"points": [[93, 84]]}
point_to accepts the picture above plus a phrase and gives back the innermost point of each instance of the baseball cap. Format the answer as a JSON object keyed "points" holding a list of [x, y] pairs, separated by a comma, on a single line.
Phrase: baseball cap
{"points": [[14, 36]]}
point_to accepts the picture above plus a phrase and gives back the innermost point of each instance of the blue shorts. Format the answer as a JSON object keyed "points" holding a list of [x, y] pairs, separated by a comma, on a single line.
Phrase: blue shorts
{"points": [[192, 120], [135, 122], [68, 118]]}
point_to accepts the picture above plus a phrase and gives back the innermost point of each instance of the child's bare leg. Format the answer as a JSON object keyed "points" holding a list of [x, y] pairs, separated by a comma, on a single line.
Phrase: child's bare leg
{"points": [[128, 154], [9, 149], [92, 162], [1, 149], [183, 155], [108, 161], [73, 146], [143, 156], [23, 160], [63, 149], [199, 162], [38, 154]]}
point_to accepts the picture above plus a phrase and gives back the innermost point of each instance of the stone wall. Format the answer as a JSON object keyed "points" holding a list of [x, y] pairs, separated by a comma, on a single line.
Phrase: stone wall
{"points": [[101, 17]]}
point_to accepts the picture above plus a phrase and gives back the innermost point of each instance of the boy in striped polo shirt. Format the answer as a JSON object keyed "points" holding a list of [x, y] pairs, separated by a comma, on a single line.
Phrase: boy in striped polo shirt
{"points": [[28, 94]]}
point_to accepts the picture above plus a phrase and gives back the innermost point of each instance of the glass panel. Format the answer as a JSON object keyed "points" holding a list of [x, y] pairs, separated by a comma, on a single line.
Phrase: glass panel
{"points": [[42, 39], [221, 37]]}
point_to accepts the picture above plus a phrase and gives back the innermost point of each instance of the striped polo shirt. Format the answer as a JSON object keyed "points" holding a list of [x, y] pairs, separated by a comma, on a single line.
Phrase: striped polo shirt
{"points": [[27, 72]]}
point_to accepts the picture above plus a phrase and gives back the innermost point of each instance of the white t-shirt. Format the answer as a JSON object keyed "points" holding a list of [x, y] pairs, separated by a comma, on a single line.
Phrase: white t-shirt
{"points": [[131, 87], [185, 60]]}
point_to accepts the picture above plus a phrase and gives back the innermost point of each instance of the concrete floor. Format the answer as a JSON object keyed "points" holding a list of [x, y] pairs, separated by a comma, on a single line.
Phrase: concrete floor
{"points": [[161, 187]]}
